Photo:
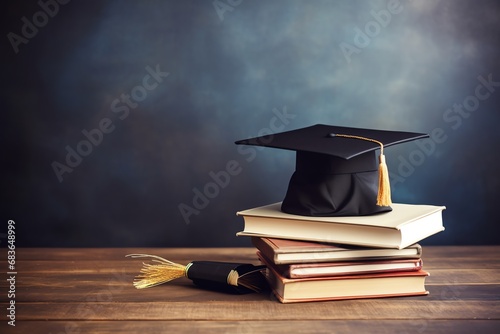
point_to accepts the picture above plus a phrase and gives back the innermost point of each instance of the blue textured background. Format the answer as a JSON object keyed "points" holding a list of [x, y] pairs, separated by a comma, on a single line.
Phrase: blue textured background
{"points": [[249, 68]]}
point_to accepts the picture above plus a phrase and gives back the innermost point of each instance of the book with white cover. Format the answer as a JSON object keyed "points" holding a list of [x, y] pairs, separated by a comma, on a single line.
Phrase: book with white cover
{"points": [[405, 225]]}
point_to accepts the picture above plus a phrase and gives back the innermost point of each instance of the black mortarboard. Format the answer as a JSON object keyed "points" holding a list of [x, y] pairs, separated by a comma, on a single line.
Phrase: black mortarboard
{"points": [[336, 172]]}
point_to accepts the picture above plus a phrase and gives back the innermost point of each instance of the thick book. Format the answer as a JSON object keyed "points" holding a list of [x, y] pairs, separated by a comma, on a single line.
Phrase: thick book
{"points": [[306, 270], [405, 225], [380, 285], [285, 251]]}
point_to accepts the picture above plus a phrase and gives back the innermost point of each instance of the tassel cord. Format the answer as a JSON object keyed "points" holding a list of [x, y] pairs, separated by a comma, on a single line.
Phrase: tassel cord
{"points": [[384, 186]]}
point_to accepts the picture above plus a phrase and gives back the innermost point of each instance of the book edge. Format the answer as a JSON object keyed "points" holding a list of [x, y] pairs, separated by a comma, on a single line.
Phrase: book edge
{"points": [[273, 211]]}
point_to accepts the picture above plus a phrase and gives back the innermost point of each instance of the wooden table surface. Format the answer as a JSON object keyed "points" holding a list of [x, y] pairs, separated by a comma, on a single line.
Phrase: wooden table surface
{"points": [[91, 291]]}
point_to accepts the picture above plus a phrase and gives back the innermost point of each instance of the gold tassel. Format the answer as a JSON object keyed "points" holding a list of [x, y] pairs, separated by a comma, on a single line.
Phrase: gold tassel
{"points": [[384, 186], [156, 274]]}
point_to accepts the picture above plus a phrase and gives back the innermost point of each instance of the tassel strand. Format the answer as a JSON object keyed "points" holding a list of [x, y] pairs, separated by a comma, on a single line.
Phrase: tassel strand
{"points": [[384, 186], [155, 274]]}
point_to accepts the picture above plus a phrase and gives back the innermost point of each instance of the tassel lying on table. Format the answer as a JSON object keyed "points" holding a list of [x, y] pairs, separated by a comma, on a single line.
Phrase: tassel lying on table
{"points": [[227, 276]]}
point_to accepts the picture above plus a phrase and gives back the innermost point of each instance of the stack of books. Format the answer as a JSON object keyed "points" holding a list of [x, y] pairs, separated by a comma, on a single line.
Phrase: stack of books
{"points": [[329, 258]]}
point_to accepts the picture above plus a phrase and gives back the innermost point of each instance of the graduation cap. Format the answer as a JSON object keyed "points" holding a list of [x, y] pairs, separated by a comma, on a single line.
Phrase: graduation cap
{"points": [[336, 171]]}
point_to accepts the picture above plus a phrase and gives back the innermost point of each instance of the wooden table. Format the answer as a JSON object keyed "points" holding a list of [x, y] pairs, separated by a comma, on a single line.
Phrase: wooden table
{"points": [[90, 291]]}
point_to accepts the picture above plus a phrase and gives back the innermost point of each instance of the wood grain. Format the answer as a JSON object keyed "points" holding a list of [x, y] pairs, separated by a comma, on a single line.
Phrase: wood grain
{"points": [[89, 290]]}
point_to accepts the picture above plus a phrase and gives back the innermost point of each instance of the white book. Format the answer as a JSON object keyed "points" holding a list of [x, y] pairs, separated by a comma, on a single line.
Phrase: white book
{"points": [[404, 226]]}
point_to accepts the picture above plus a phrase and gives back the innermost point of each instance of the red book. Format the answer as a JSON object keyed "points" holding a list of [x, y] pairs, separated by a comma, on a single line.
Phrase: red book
{"points": [[303, 270], [377, 285], [284, 251]]}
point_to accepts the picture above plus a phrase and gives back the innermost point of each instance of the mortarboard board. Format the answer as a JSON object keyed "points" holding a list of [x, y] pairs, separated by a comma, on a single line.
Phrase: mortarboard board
{"points": [[336, 171]]}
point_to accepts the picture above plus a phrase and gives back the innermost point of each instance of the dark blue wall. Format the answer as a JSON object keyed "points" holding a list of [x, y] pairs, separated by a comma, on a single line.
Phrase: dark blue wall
{"points": [[116, 115]]}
